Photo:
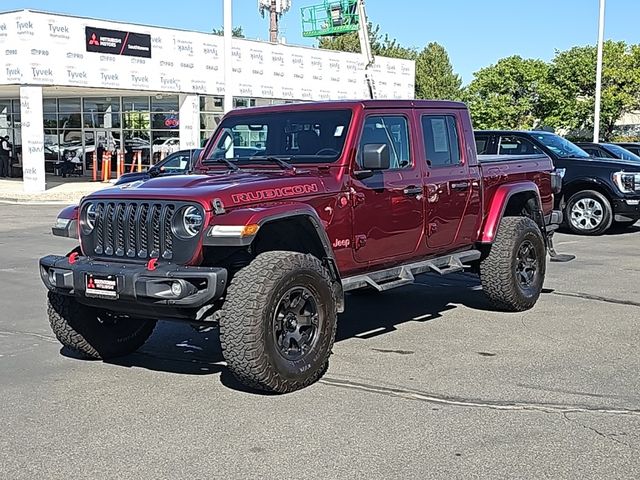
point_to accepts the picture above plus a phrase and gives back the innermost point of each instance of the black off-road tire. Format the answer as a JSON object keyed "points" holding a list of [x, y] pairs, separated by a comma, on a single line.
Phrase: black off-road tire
{"points": [[247, 336], [91, 333], [605, 209], [498, 271]]}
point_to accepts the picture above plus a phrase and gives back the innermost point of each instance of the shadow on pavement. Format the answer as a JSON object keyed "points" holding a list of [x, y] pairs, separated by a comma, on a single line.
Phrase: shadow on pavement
{"points": [[615, 230], [177, 348]]}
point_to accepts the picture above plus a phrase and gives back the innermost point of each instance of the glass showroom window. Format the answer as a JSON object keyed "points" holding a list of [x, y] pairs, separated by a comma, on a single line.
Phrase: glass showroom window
{"points": [[10, 126], [136, 121], [211, 112], [165, 125], [102, 112]]}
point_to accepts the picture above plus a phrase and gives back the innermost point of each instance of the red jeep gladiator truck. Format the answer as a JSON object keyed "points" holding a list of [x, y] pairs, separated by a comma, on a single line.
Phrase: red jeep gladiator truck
{"points": [[289, 207]]}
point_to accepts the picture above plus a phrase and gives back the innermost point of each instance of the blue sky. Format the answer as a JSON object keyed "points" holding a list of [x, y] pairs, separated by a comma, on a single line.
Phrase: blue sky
{"points": [[476, 33]]}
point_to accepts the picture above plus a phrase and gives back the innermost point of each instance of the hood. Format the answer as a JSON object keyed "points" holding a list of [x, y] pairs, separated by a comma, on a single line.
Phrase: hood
{"points": [[612, 163], [232, 188]]}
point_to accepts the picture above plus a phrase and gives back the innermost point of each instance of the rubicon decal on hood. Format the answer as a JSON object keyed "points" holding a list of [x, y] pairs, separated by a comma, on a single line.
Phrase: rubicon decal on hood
{"points": [[271, 193]]}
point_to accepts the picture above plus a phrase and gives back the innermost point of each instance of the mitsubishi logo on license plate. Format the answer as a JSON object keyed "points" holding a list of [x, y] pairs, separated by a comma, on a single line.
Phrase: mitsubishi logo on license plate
{"points": [[102, 286]]}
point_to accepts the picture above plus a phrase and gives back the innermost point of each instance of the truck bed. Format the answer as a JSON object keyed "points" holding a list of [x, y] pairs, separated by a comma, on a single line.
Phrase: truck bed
{"points": [[497, 170]]}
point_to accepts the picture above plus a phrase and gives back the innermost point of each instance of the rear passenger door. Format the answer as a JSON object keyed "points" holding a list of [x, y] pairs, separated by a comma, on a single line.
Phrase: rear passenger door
{"points": [[453, 186]]}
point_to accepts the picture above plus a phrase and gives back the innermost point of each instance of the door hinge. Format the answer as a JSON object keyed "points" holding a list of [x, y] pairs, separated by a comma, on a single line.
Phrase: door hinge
{"points": [[356, 198], [431, 229], [361, 241]]}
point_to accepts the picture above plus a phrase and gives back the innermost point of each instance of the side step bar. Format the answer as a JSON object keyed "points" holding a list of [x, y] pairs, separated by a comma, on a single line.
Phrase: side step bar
{"points": [[554, 256], [404, 275]]}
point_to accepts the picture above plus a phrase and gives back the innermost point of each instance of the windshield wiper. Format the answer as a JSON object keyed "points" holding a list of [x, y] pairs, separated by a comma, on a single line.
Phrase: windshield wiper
{"points": [[281, 162], [226, 161]]}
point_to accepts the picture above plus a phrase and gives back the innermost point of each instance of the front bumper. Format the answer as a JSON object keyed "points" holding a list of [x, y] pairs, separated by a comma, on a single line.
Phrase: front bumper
{"points": [[626, 209], [140, 291]]}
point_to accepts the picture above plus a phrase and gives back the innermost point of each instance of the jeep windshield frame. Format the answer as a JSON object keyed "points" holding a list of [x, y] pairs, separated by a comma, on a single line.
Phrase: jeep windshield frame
{"points": [[298, 137]]}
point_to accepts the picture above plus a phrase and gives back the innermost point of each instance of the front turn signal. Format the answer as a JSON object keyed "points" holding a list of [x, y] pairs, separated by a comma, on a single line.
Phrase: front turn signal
{"points": [[250, 230]]}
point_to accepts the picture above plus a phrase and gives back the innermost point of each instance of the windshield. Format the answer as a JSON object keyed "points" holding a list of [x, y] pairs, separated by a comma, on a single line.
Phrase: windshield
{"points": [[561, 146], [299, 137], [622, 153]]}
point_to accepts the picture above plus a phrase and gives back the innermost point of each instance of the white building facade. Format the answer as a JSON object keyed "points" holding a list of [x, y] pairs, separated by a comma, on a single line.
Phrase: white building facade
{"points": [[70, 84]]}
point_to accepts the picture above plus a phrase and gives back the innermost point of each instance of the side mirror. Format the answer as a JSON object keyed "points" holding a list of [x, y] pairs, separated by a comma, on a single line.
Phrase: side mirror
{"points": [[154, 171], [376, 156]]}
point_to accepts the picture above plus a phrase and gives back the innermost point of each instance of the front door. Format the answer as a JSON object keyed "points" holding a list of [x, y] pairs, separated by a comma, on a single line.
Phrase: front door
{"points": [[388, 209], [452, 190]]}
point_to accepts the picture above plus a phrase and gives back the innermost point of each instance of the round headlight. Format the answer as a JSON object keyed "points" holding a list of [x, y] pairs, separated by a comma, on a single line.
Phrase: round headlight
{"points": [[89, 218], [192, 221]]}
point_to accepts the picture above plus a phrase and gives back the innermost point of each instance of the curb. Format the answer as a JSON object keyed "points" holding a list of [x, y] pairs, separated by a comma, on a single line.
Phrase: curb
{"points": [[18, 201]]}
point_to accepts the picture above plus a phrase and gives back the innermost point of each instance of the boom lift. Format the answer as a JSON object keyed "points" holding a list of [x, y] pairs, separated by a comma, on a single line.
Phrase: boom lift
{"points": [[339, 17]]}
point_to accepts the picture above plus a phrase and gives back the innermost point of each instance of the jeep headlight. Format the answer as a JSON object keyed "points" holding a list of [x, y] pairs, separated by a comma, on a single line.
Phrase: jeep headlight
{"points": [[189, 222], [88, 218], [627, 182]]}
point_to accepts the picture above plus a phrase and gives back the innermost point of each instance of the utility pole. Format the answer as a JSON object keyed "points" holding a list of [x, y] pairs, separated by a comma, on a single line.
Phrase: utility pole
{"points": [[275, 8], [596, 117], [273, 23]]}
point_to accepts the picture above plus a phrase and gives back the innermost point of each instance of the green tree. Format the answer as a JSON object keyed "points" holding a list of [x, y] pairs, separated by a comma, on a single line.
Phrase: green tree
{"points": [[380, 45], [572, 83], [236, 32], [510, 94], [434, 74]]}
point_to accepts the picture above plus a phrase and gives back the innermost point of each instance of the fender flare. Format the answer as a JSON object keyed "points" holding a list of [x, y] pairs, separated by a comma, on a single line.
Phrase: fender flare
{"points": [[67, 222], [263, 215], [499, 203]]}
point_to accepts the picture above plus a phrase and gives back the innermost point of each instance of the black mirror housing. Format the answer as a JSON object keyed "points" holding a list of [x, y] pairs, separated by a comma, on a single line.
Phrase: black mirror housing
{"points": [[376, 156]]}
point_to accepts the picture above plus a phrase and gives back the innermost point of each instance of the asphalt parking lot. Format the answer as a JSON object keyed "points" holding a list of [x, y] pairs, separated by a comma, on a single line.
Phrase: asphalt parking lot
{"points": [[425, 382]]}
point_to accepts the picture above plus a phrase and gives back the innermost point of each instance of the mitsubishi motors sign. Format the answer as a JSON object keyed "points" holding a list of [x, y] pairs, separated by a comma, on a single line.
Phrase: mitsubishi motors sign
{"points": [[117, 42]]}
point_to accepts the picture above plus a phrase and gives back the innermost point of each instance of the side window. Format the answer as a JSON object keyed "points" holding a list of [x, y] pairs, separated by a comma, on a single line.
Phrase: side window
{"points": [[513, 145], [633, 150], [592, 151], [392, 131], [482, 144], [440, 134], [602, 153]]}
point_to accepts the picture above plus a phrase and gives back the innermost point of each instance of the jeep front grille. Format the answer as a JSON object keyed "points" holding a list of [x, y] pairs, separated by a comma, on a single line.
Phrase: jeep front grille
{"points": [[137, 230]]}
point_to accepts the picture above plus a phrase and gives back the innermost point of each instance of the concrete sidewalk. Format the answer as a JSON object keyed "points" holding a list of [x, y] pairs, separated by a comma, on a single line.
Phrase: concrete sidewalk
{"points": [[59, 190]]}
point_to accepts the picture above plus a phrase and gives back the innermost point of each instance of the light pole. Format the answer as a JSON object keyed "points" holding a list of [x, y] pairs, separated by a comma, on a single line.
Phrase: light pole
{"points": [[228, 68], [596, 117]]}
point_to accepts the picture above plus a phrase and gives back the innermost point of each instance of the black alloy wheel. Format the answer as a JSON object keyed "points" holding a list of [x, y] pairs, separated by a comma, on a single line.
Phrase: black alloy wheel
{"points": [[526, 265], [295, 323]]}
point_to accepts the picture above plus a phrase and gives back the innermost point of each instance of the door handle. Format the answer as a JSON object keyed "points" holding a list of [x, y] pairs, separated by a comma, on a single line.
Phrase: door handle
{"points": [[459, 185], [412, 190]]}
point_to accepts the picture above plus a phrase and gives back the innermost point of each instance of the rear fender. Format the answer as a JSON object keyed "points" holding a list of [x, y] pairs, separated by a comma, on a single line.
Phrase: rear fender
{"points": [[498, 206]]}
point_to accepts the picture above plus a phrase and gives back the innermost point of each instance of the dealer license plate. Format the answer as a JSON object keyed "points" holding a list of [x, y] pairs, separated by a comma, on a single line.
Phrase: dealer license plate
{"points": [[101, 286]]}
